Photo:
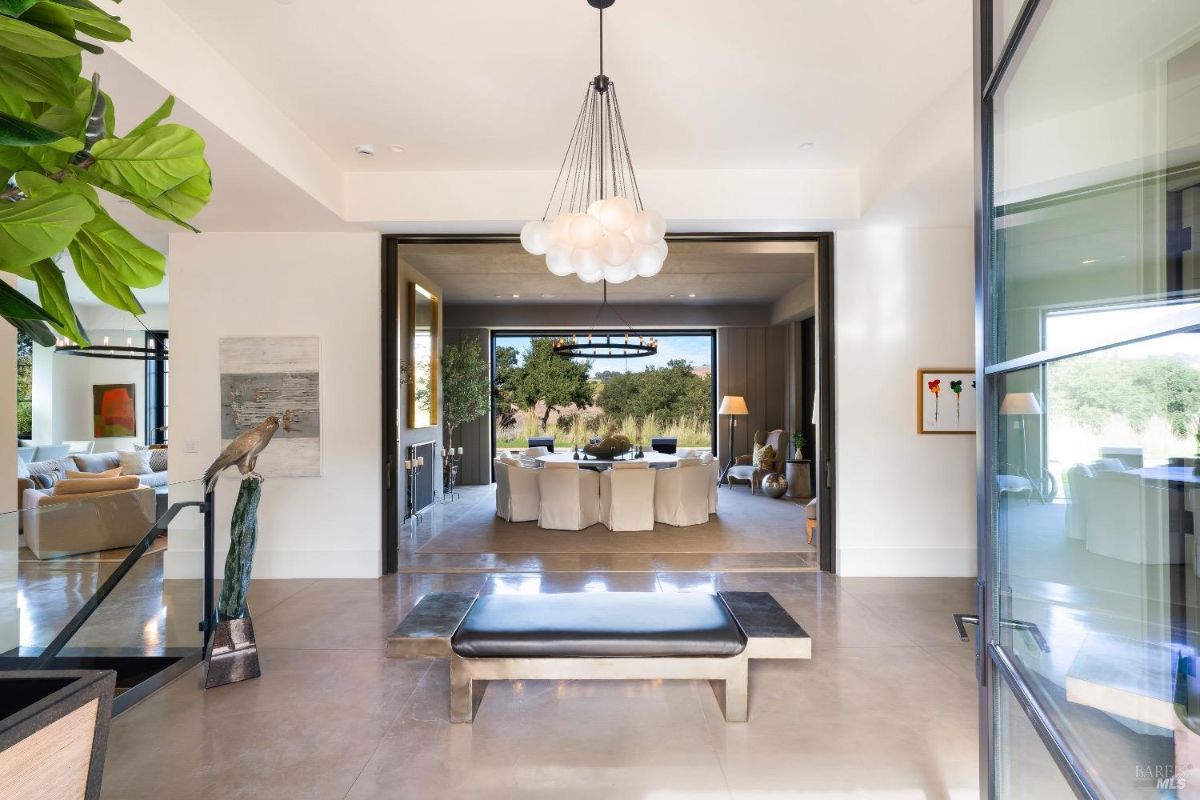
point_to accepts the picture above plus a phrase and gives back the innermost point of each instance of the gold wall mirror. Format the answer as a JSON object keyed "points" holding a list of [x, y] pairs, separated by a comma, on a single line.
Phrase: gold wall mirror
{"points": [[424, 348]]}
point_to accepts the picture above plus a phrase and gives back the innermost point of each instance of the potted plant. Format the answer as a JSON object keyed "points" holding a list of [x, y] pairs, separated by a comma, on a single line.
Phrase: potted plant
{"points": [[466, 391], [799, 476], [798, 442]]}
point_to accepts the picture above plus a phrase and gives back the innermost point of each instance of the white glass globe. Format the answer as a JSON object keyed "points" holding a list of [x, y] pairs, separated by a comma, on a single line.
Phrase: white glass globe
{"points": [[619, 273], [592, 277], [615, 248], [647, 261], [586, 261], [585, 231], [616, 214], [558, 260], [661, 246], [560, 231], [594, 209], [535, 237], [648, 227]]}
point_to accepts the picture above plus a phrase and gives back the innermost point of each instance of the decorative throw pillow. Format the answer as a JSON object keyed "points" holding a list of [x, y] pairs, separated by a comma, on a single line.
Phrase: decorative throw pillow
{"points": [[108, 473], [134, 462], [158, 456], [45, 480], [95, 462], [764, 457]]}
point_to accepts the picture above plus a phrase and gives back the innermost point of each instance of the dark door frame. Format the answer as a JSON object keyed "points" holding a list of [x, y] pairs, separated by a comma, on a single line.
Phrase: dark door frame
{"points": [[826, 440]]}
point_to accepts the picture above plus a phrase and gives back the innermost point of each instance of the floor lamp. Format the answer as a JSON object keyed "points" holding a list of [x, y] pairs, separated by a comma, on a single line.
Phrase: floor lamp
{"points": [[1021, 405], [733, 406]]}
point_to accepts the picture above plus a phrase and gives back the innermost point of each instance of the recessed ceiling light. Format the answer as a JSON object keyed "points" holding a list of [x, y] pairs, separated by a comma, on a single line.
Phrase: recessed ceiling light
{"points": [[397, 148], [807, 146], [1088, 261], [693, 294], [499, 296], [547, 295], [365, 150], [516, 295], [671, 295]]}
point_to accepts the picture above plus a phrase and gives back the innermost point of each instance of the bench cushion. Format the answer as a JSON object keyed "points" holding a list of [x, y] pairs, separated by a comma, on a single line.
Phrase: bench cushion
{"points": [[598, 624]]}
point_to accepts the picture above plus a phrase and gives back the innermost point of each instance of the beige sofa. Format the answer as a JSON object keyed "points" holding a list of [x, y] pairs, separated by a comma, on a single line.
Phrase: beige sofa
{"points": [[70, 524]]}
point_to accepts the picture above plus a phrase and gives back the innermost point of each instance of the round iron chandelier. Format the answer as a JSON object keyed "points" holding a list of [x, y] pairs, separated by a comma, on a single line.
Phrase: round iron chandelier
{"points": [[600, 229], [606, 343]]}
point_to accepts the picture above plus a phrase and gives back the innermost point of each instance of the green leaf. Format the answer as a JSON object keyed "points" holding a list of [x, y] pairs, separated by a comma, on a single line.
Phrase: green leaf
{"points": [[69, 118], [119, 254], [31, 230], [104, 285], [153, 162], [15, 8], [94, 22], [159, 114], [52, 292], [36, 185], [34, 329], [188, 198], [51, 17], [48, 80], [18, 306], [19, 133], [23, 37], [12, 103], [145, 205]]}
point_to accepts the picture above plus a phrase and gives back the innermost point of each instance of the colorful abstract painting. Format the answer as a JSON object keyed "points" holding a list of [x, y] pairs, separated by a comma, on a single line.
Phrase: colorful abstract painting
{"points": [[945, 401], [279, 375], [114, 410]]}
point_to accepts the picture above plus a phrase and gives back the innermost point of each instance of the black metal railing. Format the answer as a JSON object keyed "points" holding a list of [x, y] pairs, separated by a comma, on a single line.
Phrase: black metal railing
{"points": [[80, 618]]}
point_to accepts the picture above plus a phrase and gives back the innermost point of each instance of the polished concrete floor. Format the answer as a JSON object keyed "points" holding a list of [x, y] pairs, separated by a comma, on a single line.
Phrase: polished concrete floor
{"points": [[885, 709]]}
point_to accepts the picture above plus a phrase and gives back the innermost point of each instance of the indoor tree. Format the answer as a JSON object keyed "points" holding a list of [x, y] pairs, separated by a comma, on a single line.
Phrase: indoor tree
{"points": [[466, 393], [60, 159]]}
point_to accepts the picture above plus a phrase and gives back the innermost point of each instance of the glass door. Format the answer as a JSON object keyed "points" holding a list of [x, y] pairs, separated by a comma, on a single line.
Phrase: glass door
{"points": [[1088, 292]]}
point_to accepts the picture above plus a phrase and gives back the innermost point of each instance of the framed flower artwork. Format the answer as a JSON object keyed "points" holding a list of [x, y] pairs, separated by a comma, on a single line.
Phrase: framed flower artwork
{"points": [[945, 400]]}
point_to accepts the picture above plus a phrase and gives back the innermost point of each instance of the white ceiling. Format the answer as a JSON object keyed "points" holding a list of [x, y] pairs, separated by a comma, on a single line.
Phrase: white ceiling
{"points": [[725, 273], [483, 85]]}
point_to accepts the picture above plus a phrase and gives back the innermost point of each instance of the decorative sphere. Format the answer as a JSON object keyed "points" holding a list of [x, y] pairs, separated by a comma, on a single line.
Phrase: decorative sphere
{"points": [[586, 261], [585, 231], [619, 273], [661, 246], [616, 214], [615, 248], [647, 261], [560, 230], [594, 209], [648, 227], [592, 277], [774, 485], [558, 260], [535, 237]]}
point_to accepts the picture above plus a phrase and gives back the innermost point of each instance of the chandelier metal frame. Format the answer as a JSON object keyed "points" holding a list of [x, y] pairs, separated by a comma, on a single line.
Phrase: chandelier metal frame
{"points": [[592, 348]]}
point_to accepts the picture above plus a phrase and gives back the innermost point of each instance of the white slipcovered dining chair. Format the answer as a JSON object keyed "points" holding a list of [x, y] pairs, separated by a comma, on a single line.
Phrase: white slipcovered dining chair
{"points": [[681, 493], [569, 497], [707, 460], [627, 496], [516, 491], [537, 450], [1127, 519]]}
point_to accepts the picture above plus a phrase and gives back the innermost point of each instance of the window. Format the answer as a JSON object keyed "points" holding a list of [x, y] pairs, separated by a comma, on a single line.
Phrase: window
{"points": [[24, 386], [156, 390]]}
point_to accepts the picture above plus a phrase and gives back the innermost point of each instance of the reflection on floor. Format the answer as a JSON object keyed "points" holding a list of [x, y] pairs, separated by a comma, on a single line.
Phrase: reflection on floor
{"points": [[886, 708], [748, 534]]}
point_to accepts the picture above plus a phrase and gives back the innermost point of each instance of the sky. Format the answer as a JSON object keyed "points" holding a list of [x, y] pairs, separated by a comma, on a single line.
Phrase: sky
{"points": [[695, 349]]}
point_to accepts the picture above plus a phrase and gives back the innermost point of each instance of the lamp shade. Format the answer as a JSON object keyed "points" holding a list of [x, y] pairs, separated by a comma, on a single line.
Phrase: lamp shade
{"points": [[1020, 403], [733, 404]]}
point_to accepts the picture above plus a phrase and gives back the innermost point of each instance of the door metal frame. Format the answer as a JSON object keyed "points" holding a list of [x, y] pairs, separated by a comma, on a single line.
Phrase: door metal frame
{"points": [[389, 399]]}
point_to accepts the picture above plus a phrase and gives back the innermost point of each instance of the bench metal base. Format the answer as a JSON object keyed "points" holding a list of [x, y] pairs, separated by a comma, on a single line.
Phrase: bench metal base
{"points": [[729, 676], [770, 633]]}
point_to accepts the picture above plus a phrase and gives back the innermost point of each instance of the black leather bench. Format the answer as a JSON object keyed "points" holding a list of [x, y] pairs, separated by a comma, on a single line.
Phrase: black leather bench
{"points": [[600, 635]]}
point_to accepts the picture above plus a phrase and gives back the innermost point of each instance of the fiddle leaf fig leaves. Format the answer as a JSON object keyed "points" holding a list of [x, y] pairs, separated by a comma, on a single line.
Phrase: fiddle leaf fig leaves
{"points": [[151, 163], [38, 228], [23, 37], [18, 132], [52, 292], [157, 116], [17, 306]]}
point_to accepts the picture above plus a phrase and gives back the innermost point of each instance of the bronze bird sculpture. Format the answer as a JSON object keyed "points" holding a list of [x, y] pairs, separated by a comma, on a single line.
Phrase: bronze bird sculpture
{"points": [[242, 451]]}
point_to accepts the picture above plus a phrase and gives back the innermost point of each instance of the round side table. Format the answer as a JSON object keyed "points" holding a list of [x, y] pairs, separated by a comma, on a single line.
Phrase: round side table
{"points": [[799, 478]]}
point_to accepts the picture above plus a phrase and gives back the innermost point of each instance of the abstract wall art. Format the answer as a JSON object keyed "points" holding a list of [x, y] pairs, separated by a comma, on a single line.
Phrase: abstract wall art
{"points": [[946, 400], [114, 410], [279, 375]]}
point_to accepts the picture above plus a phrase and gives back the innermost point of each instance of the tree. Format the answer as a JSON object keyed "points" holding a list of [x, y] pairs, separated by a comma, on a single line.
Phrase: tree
{"points": [[670, 393], [1092, 389], [544, 377], [505, 405], [58, 146], [466, 394]]}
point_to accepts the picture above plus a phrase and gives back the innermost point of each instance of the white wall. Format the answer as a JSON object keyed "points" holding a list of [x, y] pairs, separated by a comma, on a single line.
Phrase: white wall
{"points": [[282, 284], [10, 615], [905, 501]]}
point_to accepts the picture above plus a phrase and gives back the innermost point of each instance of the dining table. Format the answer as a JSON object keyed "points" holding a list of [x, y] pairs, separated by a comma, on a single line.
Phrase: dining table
{"points": [[655, 459]]}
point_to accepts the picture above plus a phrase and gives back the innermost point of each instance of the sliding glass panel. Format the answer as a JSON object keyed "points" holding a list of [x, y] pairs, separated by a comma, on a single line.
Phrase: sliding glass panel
{"points": [[1096, 185], [1004, 16], [1097, 489], [1026, 772]]}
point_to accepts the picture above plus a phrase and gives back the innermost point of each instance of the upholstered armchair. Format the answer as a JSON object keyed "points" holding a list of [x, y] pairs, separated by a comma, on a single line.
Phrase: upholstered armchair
{"points": [[744, 470]]}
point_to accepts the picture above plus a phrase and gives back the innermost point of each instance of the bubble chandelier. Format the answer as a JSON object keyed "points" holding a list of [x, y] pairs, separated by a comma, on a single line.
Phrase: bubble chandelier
{"points": [[600, 231]]}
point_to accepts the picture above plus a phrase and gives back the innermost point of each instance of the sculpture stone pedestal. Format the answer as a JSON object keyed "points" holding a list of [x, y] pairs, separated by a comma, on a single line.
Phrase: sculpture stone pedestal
{"points": [[232, 655], [799, 480]]}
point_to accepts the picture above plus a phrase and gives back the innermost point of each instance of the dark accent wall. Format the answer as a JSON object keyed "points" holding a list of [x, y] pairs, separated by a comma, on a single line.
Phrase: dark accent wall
{"points": [[762, 364]]}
